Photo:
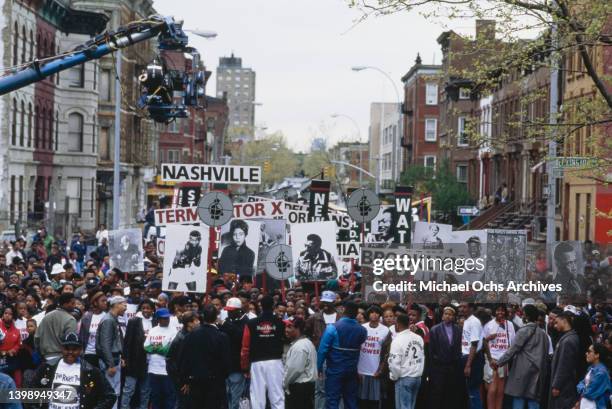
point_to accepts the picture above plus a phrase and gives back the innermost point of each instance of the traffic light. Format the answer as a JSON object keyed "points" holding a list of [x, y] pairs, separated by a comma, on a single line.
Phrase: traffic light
{"points": [[329, 172], [267, 167]]}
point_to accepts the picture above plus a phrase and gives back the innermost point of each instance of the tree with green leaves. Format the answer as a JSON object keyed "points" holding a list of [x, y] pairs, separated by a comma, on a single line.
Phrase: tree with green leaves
{"points": [[272, 149], [446, 192]]}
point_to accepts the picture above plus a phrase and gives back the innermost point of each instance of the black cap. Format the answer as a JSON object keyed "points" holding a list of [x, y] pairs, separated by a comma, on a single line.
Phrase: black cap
{"points": [[71, 340], [155, 284], [13, 286]]}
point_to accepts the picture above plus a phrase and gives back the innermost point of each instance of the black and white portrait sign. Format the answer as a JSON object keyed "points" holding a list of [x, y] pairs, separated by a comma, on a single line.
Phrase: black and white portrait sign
{"points": [[568, 267], [432, 235], [239, 247], [272, 233], [382, 228], [506, 250], [314, 251], [186, 258], [125, 249]]}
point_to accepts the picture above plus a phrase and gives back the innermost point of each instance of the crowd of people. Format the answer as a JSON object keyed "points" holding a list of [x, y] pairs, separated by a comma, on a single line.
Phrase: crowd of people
{"points": [[107, 339]]}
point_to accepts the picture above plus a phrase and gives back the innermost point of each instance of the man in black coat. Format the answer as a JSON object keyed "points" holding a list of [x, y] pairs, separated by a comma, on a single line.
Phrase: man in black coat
{"points": [[446, 375], [564, 376], [205, 363], [190, 322], [135, 356], [82, 384]]}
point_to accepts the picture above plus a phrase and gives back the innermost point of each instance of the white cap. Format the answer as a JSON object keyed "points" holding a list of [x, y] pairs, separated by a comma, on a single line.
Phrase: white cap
{"points": [[328, 296], [233, 304], [116, 300], [571, 309], [57, 269]]}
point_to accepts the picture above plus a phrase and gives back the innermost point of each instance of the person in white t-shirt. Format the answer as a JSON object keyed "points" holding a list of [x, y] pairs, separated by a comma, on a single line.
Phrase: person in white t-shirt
{"points": [[157, 345], [406, 363], [89, 326], [472, 356], [498, 336], [369, 364]]}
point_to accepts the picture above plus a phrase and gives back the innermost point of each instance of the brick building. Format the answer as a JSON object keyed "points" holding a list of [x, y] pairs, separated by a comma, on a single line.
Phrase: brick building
{"points": [[421, 114], [357, 154]]}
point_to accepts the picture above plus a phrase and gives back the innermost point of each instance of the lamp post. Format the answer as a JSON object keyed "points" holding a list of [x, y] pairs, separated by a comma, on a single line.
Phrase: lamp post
{"points": [[396, 152]]}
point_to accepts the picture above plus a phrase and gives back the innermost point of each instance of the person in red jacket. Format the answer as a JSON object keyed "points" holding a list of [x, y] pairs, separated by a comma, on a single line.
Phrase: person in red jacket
{"points": [[10, 346]]}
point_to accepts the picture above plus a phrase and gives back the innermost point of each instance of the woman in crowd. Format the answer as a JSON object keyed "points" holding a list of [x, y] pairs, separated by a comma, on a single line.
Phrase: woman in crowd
{"points": [[11, 343], [595, 388]]}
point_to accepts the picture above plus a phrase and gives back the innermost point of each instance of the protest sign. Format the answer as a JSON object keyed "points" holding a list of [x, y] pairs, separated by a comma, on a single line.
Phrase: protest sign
{"points": [[125, 249], [314, 251], [318, 207], [186, 258], [239, 247]]}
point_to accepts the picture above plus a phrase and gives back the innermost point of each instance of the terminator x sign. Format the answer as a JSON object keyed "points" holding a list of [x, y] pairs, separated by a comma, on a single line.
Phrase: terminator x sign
{"points": [[244, 175], [271, 209]]}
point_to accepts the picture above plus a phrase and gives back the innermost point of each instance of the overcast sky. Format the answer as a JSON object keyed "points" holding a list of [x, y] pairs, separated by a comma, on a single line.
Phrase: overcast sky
{"points": [[303, 51]]}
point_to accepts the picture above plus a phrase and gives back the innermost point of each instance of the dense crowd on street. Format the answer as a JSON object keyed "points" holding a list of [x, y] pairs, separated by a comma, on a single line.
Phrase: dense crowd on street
{"points": [[70, 322]]}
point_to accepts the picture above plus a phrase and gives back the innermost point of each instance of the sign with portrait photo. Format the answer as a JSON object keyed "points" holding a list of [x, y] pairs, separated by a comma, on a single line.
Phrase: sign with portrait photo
{"points": [[186, 258], [432, 235], [568, 267], [314, 251], [239, 247], [125, 249]]}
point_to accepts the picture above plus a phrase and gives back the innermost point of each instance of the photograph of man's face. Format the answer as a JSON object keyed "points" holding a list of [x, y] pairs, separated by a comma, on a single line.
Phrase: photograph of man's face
{"points": [[474, 249], [567, 263], [194, 240], [384, 224], [125, 241]]}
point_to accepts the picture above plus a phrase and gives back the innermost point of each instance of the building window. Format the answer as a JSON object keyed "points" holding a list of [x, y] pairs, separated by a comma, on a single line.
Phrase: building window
{"points": [[95, 75], [43, 128], [75, 132], [30, 125], [431, 129], [36, 126], [174, 156], [22, 124], [75, 76], [464, 93], [56, 129], [105, 85], [73, 192], [24, 43], [462, 173], [431, 93], [173, 127], [14, 124], [31, 45], [104, 141], [50, 118], [94, 127], [462, 137], [16, 45], [429, 161]]}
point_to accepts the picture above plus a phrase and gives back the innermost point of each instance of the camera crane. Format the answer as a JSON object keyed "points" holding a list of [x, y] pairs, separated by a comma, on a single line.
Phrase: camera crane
{"points": [[158, 84]]}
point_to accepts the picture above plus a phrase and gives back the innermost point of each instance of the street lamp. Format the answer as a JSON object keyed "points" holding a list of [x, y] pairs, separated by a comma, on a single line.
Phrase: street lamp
{"points": [[208, 34], [396, 152]]}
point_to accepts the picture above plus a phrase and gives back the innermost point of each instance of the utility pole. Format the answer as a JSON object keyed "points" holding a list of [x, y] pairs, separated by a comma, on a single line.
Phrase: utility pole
{"points": [[117, 148], [552, 143]]}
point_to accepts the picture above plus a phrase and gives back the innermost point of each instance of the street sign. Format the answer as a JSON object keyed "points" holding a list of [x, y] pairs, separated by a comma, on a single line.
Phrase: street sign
{"points": [[467, 211], [575, 162]]}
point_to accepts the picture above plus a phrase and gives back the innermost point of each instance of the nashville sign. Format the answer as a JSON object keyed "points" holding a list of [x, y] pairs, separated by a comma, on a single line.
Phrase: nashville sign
{"points": [[244, 175]]}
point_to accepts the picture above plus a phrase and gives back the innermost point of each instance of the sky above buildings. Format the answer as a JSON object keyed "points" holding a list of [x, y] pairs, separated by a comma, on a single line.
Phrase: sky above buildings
{"points": [[303, 51]]}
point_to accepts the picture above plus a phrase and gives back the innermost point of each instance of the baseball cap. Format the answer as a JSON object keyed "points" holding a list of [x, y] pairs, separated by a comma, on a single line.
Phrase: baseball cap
{"points": [[71, 340], [328, 296], [162, 313], [233, 304], [57, 269], [116, 300], [571, 308]]}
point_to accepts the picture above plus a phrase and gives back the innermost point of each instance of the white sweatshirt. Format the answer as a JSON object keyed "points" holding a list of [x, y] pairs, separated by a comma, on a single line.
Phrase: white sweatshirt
{"points": [[407, 356]]}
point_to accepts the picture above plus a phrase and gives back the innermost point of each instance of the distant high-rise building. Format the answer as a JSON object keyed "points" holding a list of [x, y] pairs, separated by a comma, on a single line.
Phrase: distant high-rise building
{"points": [[238, 83]]}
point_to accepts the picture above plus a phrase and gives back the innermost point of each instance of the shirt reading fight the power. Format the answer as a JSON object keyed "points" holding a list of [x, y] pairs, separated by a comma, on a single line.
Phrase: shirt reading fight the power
{"points": [[369, 356]]}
